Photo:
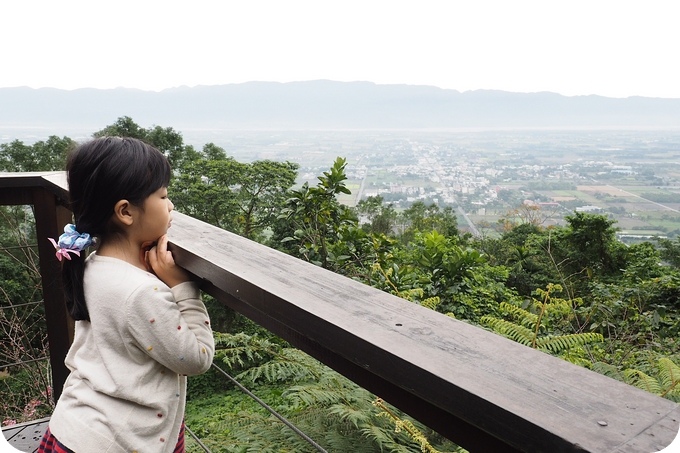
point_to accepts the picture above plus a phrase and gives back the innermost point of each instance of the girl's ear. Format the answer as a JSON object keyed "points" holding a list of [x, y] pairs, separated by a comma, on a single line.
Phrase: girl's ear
{"points": [[123, 212]]}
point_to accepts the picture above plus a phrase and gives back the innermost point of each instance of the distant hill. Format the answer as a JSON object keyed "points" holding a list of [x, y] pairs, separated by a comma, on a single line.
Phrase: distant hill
{"points": [[324, 104]]}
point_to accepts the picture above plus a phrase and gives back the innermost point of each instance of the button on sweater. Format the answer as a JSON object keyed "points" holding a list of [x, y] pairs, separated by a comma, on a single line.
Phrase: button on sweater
{"points": [[127, 387]]}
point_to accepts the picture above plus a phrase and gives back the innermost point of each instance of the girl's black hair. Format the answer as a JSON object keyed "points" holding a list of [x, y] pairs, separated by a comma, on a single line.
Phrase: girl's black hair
{"points": [[100, 173]]}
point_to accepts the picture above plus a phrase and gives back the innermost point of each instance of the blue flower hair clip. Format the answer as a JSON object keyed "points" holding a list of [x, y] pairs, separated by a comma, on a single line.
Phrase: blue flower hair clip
{"points": [[71, 242]]}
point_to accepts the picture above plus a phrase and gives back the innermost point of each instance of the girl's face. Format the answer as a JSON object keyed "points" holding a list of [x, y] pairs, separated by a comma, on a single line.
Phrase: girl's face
{"points": [[156, 218]]}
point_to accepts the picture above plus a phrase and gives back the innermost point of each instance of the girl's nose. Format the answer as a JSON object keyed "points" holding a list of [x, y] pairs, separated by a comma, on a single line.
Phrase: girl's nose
{"points": [[171, 206]]}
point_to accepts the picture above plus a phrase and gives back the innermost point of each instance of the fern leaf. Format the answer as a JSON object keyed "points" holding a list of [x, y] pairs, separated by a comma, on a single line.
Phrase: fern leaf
{"points": [[357, 416], [240, 350], [306, 395], [432, 302], [509, 329], [669, 372], [609, 370], [377, 435], [290, 365], [642, 381], [525, 317], [558, 343]]}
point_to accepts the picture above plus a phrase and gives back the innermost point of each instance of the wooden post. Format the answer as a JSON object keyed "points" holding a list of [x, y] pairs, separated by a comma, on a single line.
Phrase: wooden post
{"points": [[50, 218]]}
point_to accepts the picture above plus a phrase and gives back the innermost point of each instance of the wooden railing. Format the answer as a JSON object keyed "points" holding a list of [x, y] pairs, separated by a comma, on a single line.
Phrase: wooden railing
{"points": [[480, 390]]}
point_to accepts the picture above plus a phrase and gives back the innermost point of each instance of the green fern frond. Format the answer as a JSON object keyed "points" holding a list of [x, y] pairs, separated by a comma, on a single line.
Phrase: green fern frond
{"points": [[305, 395], [525, 317], [609, 370], [313, 416], [242, 350], [669, 373], [577, 356], [560, 343], [515, 332], [331, 409], [377, 434], [665, 383], [357, 416], [642, 381], [431, 302], [276, 371], [336, 441], [673, 395]]}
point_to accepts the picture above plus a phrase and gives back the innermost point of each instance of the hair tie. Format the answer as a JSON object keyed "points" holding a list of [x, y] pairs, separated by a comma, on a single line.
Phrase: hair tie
{"points": [[71, 242]]}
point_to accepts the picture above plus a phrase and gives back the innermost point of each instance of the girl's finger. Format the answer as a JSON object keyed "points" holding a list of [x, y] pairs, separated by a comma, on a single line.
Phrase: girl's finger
{"points": [[163, 244], [143, 251], [151, 257]]}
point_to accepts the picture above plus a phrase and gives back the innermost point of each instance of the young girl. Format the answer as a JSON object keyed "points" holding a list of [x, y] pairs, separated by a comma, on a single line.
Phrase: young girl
{"points": [[141, 327]]}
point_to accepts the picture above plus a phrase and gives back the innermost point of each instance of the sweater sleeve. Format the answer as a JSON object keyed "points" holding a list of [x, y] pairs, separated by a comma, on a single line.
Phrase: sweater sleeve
{"points": [[171, 325]]}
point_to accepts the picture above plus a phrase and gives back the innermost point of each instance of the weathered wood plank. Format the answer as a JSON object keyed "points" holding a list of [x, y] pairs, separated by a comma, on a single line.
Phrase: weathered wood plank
{"points": [[654, 437], [17, 188], [25, 437], [444, 372]]}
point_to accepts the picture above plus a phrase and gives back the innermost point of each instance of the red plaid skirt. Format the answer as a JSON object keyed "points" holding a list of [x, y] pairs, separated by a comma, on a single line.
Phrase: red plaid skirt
{"points": [[50, 444]]}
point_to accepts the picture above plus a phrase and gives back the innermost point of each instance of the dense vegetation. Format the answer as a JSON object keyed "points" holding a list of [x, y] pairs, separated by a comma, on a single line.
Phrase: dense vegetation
{"points": [[572, 291]]}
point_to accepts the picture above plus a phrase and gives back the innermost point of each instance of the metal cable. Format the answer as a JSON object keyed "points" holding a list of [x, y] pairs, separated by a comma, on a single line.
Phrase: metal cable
{"points": [[272, 411], [6, 365], [205, 449], [14, 247], [21, 305]]}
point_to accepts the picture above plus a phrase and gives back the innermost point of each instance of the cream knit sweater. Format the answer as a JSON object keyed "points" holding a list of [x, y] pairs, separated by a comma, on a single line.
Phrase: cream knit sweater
{"points": [[127, 387]]}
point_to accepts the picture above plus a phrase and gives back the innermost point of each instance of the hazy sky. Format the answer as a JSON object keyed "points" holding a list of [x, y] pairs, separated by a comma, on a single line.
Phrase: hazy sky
{"points": [[611, 48]]}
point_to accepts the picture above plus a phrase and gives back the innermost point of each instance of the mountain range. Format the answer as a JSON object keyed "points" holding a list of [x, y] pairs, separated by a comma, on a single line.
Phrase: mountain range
{"points": [[324, 104]]}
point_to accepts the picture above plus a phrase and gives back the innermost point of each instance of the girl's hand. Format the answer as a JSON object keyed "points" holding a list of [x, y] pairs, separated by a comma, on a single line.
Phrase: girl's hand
{"points": [[144, 255], [163, 264]]}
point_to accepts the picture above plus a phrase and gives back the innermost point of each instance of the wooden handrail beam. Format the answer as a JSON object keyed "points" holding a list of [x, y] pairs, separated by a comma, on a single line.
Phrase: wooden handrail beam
{"points": [[483, 391]]}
